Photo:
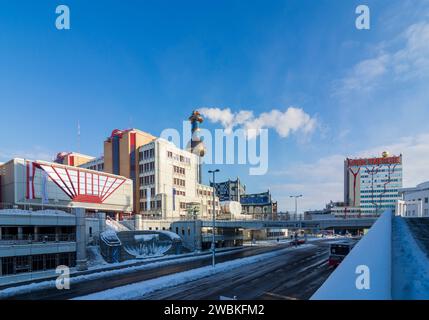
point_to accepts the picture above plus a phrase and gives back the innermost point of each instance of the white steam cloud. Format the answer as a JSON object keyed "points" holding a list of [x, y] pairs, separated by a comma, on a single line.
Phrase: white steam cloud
{"points": [[292, 120]]}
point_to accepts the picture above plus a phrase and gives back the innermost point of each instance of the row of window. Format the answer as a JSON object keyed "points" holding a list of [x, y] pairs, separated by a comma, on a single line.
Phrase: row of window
{"points": [[204, 192], [378, 190], [40, 262], [426, 200], [396, 169], [154, 204], [177, 157], [147, 167], [379, 175], [381, 180], [96, 167], [384, 201], [382, 206], [143, 193], [179, 182], [382, 195], [178, 170], [180, 193], [146, 154], [147, 180], [210, 203], [413, 212]]}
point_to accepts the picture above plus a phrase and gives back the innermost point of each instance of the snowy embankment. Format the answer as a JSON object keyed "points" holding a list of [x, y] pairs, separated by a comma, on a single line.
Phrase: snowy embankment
{"points": [[410, 278], [374, 254], [27, 288], [98, 272], [139, 289]]}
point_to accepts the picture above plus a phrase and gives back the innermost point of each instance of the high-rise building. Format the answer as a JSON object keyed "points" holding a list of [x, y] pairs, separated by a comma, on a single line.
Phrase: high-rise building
{"points": [[169, 183], [121, 156], [372, 184]]}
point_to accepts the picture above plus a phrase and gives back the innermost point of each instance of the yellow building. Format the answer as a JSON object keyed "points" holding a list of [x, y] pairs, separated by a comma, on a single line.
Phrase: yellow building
{"points": [[121, 156], [72, 159]]}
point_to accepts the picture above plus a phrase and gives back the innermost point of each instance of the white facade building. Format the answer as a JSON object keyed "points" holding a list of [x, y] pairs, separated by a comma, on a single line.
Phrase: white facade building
{"points": [[414, 202], [372, 184], [96, 164], [169, 187]]}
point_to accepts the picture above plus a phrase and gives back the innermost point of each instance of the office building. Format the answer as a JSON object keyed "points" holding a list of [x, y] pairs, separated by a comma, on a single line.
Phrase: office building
{"points": [[372, 184], [230, 190]]}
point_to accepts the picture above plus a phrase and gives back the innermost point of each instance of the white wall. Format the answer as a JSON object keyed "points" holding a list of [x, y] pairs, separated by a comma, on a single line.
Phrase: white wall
{"points": [[374, 250]]}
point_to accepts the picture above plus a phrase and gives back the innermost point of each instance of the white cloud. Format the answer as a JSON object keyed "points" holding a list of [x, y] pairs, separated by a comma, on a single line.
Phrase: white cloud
{"points": [[323, 180], [403, 58], [35, 153], [293, 120]]}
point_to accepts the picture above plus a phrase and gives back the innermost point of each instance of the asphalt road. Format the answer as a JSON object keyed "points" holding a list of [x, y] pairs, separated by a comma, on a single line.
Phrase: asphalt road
{"points": [[296, 274], [109, 282]]}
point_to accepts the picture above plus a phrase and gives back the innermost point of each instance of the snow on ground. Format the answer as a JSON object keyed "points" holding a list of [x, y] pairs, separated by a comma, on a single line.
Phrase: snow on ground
{"points": [[139, 289], [410, 279], [128, 267], [94, 257]]}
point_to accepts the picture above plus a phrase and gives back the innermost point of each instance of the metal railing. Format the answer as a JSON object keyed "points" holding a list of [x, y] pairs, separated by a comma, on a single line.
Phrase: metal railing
{"points": [[40, 238], [33, 207]]}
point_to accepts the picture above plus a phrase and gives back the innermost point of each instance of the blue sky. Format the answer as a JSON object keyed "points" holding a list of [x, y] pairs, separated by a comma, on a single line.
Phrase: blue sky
{"points": [[148, 64]]}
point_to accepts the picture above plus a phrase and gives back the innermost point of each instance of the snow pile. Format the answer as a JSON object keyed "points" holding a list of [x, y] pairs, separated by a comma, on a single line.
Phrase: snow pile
{"points": [[172, 235], [94, 256], [115, 225], [109, 236], [410, 265], [146, 237], [139, 289]]}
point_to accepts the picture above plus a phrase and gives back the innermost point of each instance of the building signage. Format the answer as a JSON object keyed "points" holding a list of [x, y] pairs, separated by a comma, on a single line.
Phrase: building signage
{"points": [[373, 161]]}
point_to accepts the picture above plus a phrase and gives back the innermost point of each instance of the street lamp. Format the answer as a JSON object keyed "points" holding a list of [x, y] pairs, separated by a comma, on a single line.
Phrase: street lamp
{"points": [[296, 203], [214, 216]]}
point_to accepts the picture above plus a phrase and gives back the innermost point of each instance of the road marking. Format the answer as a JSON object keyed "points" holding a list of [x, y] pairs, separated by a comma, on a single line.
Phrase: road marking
{"points": [[275, 295]]}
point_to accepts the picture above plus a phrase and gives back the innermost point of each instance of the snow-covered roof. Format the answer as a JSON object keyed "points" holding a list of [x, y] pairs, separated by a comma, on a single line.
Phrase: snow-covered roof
{"points": [[172, 235]]}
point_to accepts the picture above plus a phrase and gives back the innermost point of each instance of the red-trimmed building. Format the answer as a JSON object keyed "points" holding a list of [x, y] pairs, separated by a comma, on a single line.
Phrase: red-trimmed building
{"points": [[27, 183], [372, 184]]}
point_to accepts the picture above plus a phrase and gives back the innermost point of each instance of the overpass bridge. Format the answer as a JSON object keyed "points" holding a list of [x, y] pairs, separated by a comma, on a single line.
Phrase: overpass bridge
{"points": [[319, 224]]}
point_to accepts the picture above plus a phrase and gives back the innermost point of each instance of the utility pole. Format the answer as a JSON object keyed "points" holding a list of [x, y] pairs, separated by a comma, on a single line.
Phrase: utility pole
{"points": [[214, 217]]}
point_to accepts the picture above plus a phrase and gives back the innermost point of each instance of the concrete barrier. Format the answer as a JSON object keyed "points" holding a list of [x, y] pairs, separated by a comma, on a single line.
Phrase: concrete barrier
{"points": [[371, 257]]}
